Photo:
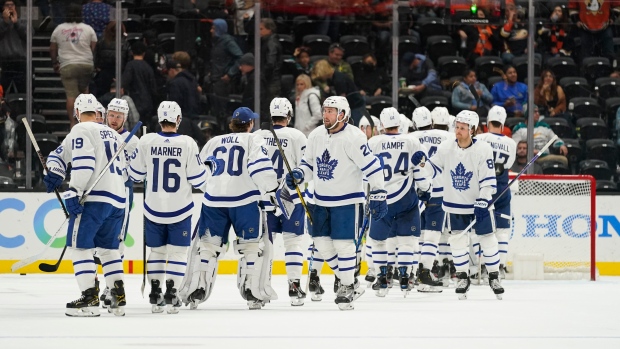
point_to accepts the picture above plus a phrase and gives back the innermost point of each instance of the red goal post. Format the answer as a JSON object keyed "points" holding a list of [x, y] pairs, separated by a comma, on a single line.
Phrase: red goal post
{"points": [[555, 215]]}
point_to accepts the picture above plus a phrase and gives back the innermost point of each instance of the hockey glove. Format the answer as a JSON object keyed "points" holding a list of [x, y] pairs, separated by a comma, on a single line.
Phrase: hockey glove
{"points": [[298, 178], [129, 183], [424, 195], [481, 210], [378, 205], [73, 202], [271, 197], [215, 165], [418, 157], [52, 181]]}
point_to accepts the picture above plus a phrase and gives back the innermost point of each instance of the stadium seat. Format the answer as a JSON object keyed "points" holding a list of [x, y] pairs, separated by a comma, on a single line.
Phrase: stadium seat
{"points": [[607, 87], [38, 126], [584, 107], [7, 183], [134, 37], [155, 7], [603, 186], [355, 62], [287, 84], [429, 26], [492, 81], [575, 152], [561, 127], [314, 59], [163, 23], [562, 67], [289, 66], [555, 168], [511, 122], [595, 168], [431, 102], [130, 5], [17, 102], [521, 63], [408, 43], [287, 43], [451, 66], [47, 142], [454, 81], [302, 26], [439, 46], [165, 42], [216, 127], [602, 149], [487, 66], [592, 128], [318, 44], [377, 104], [593, 68], [574, 86], [354, 45], [133, 24]]}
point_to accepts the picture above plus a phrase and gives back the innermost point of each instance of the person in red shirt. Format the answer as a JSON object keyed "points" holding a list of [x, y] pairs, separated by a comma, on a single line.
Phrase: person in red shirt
{"points": [[593, 19]]}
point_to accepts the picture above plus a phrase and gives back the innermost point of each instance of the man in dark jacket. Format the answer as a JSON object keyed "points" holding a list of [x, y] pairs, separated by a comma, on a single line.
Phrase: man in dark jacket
{"points": [[225, 55], [246, 82], [271, 65], [182, 85], [139, 82], [12, 48]]}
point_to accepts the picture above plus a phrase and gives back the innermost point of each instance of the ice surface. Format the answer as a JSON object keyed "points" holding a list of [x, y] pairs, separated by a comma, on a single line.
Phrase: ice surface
{"points": [[536, 314]]}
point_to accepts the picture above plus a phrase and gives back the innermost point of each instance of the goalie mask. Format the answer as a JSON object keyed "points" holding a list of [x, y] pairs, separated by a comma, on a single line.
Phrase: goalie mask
{"points": [[281, 107], [84, 103], [342, 106], [169, 111]]}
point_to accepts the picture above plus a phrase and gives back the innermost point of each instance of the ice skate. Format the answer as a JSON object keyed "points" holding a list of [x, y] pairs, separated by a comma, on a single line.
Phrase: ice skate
{"points": [[156, 298], [173, 302], [463, 285], [336, 284], [357, 290], [444, 273], [315, 287], [381, 284], [104, 299], [295, 293], [494, 282], [390, 276], [370, 277], [344, 297], [117, 299], [435, 269], [196, 297], [253, 302], [502, 272], [426, 282], [483, 277], [406, 283], [453, 276], [85, 306]]}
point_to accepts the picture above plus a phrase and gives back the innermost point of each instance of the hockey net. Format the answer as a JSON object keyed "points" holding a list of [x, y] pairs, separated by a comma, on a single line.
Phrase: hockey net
{"points": [[555, 216]]}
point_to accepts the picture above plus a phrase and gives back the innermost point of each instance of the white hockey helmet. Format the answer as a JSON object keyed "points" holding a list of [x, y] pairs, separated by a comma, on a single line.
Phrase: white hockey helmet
{"points": [[168, 111], [405, 124], [119, 105], [440, 116], [389, 117], [85, 102], [281, 107], [468, 117], [421, 117], [497, 113], [340, 103]]}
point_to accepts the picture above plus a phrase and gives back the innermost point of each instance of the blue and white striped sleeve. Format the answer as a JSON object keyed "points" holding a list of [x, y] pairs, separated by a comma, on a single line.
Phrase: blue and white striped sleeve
{"points": [[82, 161], [57, 160], [362, 156], [137, 165], [196, 170], [259, 165]]}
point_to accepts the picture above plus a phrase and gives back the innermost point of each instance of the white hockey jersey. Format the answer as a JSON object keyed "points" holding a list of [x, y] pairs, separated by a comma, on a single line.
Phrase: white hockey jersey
{"points": [[245, 171], [131, 146], [88, 147], [504, 152], [467, 173], [171, 166], [431, 139], [338, 163], [395, 153], [293, 143]]}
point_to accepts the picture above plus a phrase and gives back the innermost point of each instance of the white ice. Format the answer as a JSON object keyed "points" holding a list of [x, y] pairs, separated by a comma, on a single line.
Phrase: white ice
{"points": [[536, 314]]}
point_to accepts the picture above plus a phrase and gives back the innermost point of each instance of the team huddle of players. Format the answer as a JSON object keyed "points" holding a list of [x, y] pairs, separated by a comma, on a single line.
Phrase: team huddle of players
{"points": [[411, 197]]}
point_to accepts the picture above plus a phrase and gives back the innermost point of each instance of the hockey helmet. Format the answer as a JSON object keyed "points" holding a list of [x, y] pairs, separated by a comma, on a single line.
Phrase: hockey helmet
{"points": [[340, 103], [421, 117], [405, 124], [468, 117], [84, 103], [281, 107], [390, 117], [119, 105], [440, 116], [497, 113], [168, 111]]}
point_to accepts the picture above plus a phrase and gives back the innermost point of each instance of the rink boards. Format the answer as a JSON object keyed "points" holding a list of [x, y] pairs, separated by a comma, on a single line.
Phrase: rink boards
{"points": [[555, 225]]}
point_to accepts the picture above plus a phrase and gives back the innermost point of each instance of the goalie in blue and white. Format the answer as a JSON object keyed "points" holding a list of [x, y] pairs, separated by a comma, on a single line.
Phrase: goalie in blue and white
{"points": [[243, 174], [504, 155], [96, 225], [337, 159], [468, 172], [170, 165], [293, 143], [403, 175]]}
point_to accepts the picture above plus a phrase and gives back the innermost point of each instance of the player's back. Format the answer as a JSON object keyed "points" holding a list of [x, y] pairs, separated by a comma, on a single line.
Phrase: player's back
{"points": [[243, 167], [293, 143], [431, 140], [504, 153]]}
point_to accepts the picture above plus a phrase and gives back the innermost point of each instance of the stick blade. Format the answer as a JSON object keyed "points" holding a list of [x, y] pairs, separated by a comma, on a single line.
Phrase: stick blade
{"points": [[48, 268]]}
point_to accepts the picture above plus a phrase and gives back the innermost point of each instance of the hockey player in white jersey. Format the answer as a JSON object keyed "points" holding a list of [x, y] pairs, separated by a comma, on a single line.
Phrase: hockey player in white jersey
{"points": [[293, 143], [504, 155], [402, 220], [337, 159], [95, 226], [468, 172], [243, 174], [171, 166], [101, 114]]}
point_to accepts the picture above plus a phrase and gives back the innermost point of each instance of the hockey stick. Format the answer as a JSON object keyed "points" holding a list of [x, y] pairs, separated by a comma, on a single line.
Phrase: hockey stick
{"points": [[360, 234], [32, 259], [144, 233]]}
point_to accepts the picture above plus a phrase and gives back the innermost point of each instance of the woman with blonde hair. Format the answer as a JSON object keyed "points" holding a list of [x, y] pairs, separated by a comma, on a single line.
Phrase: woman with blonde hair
{"points": [[307, 105]]}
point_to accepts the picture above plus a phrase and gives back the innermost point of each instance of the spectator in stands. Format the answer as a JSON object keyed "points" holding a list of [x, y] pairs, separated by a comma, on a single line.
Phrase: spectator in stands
{"points": [[521, 159], [224, 65], [420, 72], [555, 35], [271, 65], [514, 32], [244, 11], [12, 48], [335, 59], [510, 93], [615, 74], [372, 81], [549, 96], [479, 40], [470, 94], [542, 134], [105, 59], [59, 10], [187, 29], [593, 19], [182, 85], [302, 60], [71, 49], [96, 13], [139, 82], [307, 105], [246, 83]]}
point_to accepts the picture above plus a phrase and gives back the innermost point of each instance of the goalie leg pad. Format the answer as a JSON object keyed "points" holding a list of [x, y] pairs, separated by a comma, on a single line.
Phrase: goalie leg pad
{"points": [[491, 253], [201, 271], [84, 267], [112, 265], [249, 272], [460, 246], [293, 255], [156, 264]]}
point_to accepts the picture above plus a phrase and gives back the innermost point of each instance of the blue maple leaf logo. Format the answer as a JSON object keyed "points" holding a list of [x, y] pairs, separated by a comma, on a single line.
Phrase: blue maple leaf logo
{"points": [[461, 178], [326, 166]]}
